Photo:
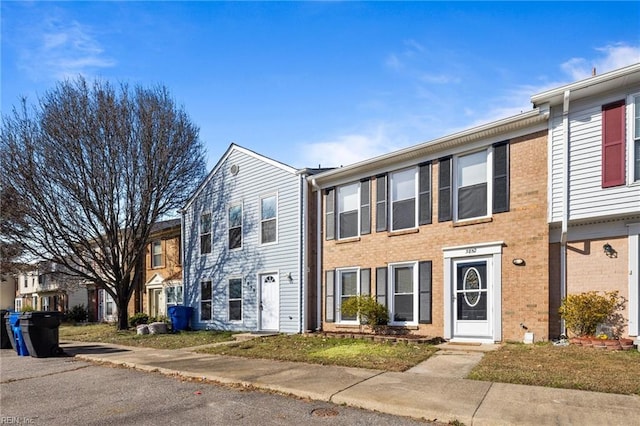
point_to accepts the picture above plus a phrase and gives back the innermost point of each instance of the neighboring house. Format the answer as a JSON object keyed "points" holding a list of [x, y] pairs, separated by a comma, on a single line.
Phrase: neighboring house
{"points": [[249, 246], [451, 235], [163, 269], [8, 290], [594, 189], [44, 288]]}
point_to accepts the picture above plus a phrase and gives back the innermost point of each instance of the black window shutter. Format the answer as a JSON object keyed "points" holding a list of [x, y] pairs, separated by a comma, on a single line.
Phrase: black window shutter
{"points": [[501, 177], [365, 206], [330, 214], [424, 290], [444, 189], [381, 203], [330, 299], [365, 282], [381, 286], [424, 195]]}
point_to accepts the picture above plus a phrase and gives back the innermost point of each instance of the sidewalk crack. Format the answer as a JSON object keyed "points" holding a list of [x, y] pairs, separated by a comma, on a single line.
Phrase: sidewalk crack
{"points": [[355, 384], [473, 416]]}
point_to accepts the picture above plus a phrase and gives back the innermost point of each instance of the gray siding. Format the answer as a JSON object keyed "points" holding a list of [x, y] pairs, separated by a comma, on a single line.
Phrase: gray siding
{"points": [[256, 178]]}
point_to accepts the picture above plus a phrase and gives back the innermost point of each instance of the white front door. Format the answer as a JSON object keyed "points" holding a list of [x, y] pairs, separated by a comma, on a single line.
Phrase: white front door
{"points": [[472, 298], [269, 302]]}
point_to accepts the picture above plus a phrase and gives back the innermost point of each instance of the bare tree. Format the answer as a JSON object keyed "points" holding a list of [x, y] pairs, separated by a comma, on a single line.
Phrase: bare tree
{"points": [[12, 220], [96, 166]]}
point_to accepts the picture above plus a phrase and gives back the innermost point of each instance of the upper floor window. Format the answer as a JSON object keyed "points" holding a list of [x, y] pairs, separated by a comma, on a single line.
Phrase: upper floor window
{"points": [[205, 233], [268, 219], [404, 188], [156, 254], [474, 185], [471, 185], [235, 226], [348, 210], [348, 206], [409, 198]]}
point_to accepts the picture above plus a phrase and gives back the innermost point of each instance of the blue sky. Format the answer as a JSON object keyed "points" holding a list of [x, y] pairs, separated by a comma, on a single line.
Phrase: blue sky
{"points": [[328, 83]]}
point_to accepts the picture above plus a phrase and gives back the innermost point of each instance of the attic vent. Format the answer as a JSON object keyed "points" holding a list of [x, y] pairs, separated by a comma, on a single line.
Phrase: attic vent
{"points": [[234, 169]]}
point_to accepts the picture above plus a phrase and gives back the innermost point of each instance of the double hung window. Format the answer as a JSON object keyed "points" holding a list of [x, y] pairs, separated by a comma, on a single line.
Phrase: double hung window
{"points": [[268, 219], [235, 299], [235, 226], [206, 299], [156, 254], [205, 233]]}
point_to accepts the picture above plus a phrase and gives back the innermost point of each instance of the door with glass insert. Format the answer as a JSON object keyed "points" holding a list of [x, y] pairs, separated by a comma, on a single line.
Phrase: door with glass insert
{"points": [[472, 308]]}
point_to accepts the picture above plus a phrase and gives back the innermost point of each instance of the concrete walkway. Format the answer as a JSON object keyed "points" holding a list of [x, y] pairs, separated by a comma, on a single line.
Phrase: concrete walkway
{"points": [[431, 390]]}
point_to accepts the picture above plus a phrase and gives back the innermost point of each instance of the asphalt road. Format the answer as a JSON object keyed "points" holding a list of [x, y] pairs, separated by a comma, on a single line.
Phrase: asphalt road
{"points": [[65, 391]]}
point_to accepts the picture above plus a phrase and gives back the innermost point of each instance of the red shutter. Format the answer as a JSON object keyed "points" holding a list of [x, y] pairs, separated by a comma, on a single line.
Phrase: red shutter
{"points": [[613, 147]]}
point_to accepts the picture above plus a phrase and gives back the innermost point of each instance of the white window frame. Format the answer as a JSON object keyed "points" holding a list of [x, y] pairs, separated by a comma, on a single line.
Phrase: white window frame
{"points": [[153, 254], [391, 292], [178, 300], [235, 299], [631, 139], [202, 234], [205, 300], [262, 220], [17, 305], [339, 295], [392, 195], [489, 180], [231, 206], [340, 206]]}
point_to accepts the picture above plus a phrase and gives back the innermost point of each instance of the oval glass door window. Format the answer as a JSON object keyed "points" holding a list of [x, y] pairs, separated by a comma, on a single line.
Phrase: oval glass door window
{"points": [[471, 286]]}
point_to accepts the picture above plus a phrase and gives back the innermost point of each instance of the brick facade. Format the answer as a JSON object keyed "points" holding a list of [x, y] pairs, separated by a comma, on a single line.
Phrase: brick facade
{"points": [[524, 230]]}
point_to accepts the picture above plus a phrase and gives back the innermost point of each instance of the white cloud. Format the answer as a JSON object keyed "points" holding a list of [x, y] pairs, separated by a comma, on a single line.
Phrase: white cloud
{"points": [[610, 57], [62, 49], [347, 149]]}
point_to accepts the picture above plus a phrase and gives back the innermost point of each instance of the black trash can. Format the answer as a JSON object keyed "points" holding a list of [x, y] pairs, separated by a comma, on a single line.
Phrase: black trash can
{"points": [[5, 340], [180, 317], [40, 332]]}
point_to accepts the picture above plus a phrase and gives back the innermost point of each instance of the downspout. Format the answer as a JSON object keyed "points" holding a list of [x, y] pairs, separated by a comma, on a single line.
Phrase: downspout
{"points": [[302, 255], [565, 203], [318, 254]]}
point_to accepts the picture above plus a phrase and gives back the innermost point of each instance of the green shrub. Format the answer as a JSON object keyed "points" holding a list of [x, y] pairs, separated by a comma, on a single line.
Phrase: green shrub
{"points": [[138, 318], [27, 308], [583, 312], [77, 314], [369, 311]]}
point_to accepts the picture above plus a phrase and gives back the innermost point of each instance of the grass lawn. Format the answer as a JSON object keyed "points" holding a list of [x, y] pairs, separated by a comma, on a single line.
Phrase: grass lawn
{"points": [[570, 367], [107, 333], [330, 351]]}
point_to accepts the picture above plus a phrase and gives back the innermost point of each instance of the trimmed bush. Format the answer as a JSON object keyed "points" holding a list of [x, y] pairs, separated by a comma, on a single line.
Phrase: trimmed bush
{"points": [[77, 314], [369, 311]]}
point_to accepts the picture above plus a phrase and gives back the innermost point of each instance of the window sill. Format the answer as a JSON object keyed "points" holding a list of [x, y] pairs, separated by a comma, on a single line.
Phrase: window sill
{"points": [[405, 326], [403, 232], [348, 240], [347, 326], [472, 222]]}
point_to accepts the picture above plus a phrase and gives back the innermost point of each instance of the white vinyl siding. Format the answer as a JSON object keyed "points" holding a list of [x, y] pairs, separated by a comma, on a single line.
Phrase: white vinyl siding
{"points": [[257, 177], [587, 198]]}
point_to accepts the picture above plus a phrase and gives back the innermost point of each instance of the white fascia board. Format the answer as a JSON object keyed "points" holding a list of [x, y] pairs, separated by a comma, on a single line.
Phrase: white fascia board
{"points": [[590, 86]]}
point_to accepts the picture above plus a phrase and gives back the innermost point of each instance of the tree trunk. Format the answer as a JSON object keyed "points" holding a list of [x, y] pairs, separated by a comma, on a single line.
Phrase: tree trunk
{"points": [[123, 316]]}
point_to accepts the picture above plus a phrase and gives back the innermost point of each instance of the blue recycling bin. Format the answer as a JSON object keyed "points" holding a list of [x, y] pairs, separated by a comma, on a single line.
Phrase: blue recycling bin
{"points": [[40, 333], [5, 340], [15, 333], [180, 317]]}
